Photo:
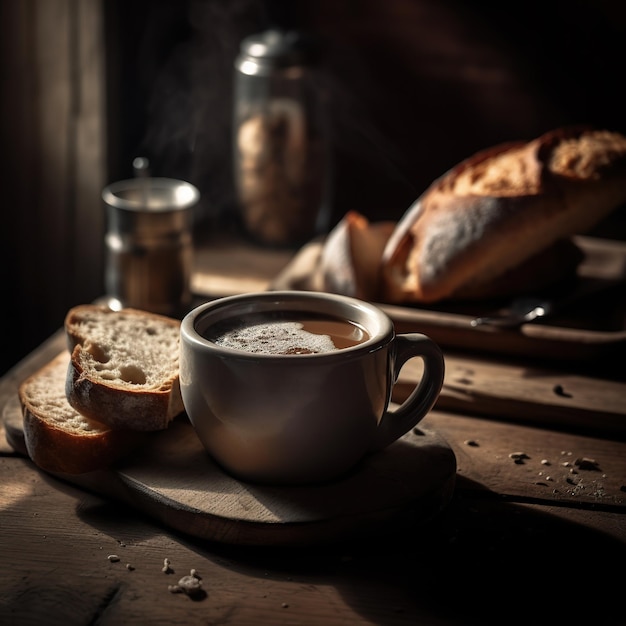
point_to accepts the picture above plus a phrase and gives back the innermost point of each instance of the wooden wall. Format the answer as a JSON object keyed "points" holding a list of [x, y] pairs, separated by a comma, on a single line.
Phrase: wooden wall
{"points": [[53, 155]]}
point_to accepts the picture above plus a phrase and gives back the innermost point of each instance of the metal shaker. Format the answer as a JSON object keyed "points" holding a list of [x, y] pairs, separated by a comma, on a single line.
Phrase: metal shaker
{"points": [[281, 139], [149, 249]]}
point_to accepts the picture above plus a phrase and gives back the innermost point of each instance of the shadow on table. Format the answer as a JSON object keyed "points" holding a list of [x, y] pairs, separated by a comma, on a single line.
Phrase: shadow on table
{"points": [[483, 561]]}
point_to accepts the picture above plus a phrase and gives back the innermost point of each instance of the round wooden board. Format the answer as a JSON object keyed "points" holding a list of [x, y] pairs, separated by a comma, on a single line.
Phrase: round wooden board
{"points": [[174, 480]]}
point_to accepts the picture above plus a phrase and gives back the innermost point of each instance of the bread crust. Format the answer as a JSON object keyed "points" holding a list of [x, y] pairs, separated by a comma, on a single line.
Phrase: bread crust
{"points": [[58, 446], [499, 208], [117, 401]]}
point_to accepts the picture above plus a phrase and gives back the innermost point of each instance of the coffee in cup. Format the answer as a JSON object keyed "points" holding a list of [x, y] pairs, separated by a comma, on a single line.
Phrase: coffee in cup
{"points": [[293, 387], [287, 334]]}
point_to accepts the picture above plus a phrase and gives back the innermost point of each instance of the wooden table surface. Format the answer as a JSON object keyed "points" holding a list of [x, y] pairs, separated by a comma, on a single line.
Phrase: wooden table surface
{"points": [[535, 532]]}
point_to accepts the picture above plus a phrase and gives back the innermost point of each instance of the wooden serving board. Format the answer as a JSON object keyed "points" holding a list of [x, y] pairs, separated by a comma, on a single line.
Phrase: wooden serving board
{"points": [[173, 479], [589, 322]]}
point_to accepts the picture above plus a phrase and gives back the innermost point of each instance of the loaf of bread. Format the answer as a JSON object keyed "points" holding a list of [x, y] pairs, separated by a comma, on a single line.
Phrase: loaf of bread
{"points": [[500, 222], [124, 367], [57, 437]]}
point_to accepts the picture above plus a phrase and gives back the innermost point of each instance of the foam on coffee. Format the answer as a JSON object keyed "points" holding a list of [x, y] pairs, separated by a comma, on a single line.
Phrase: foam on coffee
{"points": [[289, 336], [276, 338]]}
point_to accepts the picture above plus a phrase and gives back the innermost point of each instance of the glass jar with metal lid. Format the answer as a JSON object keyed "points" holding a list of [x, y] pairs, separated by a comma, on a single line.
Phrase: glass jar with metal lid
{"points": [[281, 139]]}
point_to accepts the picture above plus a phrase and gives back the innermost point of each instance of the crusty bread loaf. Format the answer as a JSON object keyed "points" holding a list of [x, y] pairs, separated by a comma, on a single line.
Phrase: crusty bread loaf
{"points": [[124, 367], [57, 437], [498, 210]]}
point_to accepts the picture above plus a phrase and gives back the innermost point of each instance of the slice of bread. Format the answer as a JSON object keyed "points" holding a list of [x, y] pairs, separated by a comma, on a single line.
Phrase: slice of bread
{"points": [[124, 367], [58, 438], [350, 258]]}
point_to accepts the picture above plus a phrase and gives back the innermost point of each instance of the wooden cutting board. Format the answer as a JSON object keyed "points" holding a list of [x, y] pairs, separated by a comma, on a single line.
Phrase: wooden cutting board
{"points": [[172, 479], [589, 322]]}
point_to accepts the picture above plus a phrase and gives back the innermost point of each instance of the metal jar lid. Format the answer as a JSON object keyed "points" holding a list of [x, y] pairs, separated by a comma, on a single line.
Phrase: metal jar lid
{"points": [[150, 208], [265, 52]]}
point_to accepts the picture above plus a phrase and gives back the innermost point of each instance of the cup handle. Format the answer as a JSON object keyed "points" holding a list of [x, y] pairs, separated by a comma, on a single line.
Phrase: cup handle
{"points": [[395, 424]]}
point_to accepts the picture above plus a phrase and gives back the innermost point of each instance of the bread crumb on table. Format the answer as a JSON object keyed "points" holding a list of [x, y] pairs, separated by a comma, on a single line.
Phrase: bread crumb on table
{"points": [[190, 585]]}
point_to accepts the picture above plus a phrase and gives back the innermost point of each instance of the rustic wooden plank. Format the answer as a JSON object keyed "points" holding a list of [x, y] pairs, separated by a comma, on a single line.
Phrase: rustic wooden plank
{"points": [[52, 114], [88, 116], [503, 513], [53, 208], [55, 540], [534, 464], [525, 393], [226, 265]]}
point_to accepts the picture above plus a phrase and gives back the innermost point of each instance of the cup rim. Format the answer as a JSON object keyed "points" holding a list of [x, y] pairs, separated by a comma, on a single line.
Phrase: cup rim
{"points": [[380, 335]]}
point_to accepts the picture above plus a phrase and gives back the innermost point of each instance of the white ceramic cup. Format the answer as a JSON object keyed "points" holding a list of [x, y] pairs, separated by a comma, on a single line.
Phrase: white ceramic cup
{"points": [[300, 418]]}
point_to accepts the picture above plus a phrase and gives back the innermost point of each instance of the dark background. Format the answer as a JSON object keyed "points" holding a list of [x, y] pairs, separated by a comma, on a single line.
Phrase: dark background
{"points": [[415, 86]]}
